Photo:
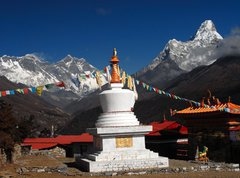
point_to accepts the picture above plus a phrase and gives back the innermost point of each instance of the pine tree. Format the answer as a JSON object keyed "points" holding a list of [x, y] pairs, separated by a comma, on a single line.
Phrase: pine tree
{"points": [[8, 130]]}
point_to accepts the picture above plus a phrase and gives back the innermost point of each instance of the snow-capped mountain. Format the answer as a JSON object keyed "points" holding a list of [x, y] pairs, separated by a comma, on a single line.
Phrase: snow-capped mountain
{"points": [[34, 71], [180, 57], [199, 50]]}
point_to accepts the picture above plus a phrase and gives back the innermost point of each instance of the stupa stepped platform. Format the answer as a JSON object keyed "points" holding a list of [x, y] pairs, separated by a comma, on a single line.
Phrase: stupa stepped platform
{"points": [[122, 155], [123, 165]]}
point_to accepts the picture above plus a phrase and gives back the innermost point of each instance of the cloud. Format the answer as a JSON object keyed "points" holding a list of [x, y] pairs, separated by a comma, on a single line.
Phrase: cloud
{"points": [[231, 44], [235, 31], [43, 56], [103, 11]]}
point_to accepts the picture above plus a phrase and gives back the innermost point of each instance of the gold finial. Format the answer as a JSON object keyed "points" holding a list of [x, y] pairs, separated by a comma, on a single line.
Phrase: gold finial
{"points": [[114, 52]]}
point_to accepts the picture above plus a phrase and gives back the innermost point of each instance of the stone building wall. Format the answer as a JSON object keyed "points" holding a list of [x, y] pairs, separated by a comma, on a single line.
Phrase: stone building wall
{"points": [[55, 152]]}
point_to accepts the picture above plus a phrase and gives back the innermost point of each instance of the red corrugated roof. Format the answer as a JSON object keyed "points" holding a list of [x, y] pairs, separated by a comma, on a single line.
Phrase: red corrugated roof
{"points": [[43, 143], [237, 128], [166, 125], [38, 146], [68, 139], [39, 140]]}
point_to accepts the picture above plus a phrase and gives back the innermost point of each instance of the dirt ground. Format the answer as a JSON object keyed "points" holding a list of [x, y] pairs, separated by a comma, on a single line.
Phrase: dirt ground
{"points": [[9, 170]]}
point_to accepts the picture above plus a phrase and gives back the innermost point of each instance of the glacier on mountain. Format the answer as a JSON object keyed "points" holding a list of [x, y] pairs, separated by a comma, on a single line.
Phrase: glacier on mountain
{"points": [[199, 50], [34, 71]]}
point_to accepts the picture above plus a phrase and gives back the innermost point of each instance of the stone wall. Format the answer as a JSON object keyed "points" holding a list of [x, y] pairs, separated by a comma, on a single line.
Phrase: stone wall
{"points": [[3, 157], [16, 154], [54, 152]]}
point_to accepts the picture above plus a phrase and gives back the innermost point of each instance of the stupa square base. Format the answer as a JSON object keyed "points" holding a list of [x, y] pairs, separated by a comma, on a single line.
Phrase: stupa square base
{"points": [[120, 149], [122, 165]]}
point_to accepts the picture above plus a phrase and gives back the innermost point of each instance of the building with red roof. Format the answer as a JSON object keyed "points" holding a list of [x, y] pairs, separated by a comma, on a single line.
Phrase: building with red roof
{"points": [[69, 145], [168, 138], [213, 126]]}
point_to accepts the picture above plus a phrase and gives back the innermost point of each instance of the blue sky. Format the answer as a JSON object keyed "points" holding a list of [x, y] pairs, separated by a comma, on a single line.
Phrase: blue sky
{"points": [[139, 29]]}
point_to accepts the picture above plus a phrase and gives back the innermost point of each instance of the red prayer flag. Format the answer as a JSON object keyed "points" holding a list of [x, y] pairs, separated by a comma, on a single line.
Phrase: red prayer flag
{"points": [[105, 69], [4, 93], [60, 84], [25, 91]]}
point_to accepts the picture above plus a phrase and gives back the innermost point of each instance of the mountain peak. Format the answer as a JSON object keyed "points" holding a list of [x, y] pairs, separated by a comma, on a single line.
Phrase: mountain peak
{"points": [[207, 31], [208, 24], [33, 57], [70, 58]]}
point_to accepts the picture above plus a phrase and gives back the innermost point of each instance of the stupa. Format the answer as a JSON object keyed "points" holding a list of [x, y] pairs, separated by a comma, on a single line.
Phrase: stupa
{"points": [[119, 139]]}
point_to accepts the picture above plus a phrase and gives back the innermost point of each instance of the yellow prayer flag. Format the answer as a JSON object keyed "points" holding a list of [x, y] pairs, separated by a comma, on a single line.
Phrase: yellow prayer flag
{"points": [[39, 90], [130, 84], [98, 79], [123, 77]]}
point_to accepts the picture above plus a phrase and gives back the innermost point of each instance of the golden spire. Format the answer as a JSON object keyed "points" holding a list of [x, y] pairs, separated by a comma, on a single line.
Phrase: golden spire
{"points": [[115, 69]]}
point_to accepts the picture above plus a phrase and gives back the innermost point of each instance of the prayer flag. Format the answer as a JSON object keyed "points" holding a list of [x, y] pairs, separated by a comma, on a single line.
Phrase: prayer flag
{"points": [[98, 79], [130, 82], [49, 86], [123, 78], [150, 88], [137, 82], [33, 89], [147, 87], [7, 92], [60, 84], [25, 91], [19, 91], [4, 93], [12, 92], [135, 90], [39, 90]]}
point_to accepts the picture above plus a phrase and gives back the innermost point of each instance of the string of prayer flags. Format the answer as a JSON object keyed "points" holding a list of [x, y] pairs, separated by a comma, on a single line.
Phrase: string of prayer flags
{"points": [[158, 91], [37, 90]]}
